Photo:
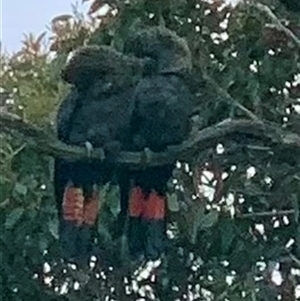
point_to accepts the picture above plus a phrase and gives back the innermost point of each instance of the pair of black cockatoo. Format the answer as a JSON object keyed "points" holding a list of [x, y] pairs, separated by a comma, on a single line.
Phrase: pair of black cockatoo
{"points": [[131, 101]]}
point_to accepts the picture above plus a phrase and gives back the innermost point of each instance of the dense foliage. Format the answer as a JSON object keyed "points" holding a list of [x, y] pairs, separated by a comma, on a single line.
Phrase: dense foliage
{"points": [[238, 222]]}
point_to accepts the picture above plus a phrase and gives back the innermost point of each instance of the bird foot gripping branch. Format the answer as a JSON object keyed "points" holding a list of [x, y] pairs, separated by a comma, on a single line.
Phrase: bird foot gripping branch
{"points": [[89, 148]]}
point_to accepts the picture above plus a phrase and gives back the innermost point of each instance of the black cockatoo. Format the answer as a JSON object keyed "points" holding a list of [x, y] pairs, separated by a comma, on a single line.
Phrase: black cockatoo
{"points": [[162, 107], [97, 111]]}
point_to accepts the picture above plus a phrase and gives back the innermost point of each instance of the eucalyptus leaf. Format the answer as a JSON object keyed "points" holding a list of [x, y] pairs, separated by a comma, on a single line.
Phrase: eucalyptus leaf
{"points": [[13, 217], [208, 220], [173, 204], [20, 189]]}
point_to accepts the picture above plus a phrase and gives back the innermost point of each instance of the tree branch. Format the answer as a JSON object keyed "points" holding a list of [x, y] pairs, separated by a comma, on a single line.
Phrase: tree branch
{"points": [[201, 140], [265, 9], [223, 93]]}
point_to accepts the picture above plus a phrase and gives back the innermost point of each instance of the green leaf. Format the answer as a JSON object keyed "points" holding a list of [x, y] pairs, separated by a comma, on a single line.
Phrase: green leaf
{"points": [[20, 189], [295, 204], [196, 213], [172, 201], [228, 235], [208, 220], [13, 217], [43, 244], [111, 197], [53, 227]]}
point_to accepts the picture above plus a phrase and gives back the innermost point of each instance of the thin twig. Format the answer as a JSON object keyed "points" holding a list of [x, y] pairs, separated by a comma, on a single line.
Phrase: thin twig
{"points": [[223, 93], [295, 259], [266, 214]]}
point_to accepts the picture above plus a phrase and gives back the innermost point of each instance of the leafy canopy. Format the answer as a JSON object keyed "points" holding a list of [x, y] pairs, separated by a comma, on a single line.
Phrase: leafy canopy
{"points": [[234, 207]]}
